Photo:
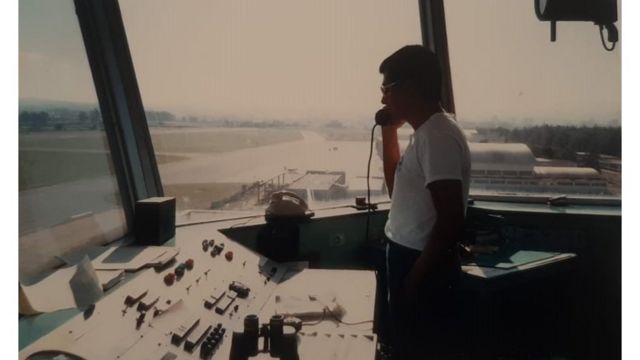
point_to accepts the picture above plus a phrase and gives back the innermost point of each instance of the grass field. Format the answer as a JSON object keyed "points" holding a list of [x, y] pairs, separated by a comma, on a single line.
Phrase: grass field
{"points": [[55, 157], [206, 140], [43, 168], [67, 140], [39, 168]]}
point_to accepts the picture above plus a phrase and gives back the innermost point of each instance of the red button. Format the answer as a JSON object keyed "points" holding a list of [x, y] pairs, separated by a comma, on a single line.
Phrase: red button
{"points": [[169, 278], [189, 264], [229, 255]]}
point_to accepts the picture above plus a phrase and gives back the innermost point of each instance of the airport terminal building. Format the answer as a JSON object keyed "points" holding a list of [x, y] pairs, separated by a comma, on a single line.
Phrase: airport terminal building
{"points": [[513, 167]]}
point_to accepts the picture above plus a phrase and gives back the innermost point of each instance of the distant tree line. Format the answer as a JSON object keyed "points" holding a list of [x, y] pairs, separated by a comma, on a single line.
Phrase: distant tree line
{"points": [[70, 119], [60, 119], [563, 142], [159, 118]]}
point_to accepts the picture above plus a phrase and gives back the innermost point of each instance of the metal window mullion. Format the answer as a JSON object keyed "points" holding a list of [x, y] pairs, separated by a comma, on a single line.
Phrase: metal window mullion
{"points": [[128, 141], [120, 101], [434, 37], [136, 130], [101, 80]]}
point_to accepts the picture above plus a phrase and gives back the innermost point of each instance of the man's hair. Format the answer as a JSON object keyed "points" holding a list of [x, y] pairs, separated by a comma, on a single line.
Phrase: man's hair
{"points": [[416, 66]]}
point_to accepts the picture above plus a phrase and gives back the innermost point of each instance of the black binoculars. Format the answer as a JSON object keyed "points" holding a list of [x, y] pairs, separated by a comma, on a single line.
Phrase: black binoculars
{"points": [[276, 341]]}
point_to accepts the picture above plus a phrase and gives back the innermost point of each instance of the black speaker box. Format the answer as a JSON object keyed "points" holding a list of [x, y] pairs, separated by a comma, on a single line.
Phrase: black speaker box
{"points": [[155, 220]]}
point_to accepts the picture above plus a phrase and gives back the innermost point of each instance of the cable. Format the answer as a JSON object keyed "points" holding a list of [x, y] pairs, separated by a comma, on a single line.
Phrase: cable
{"points": [[612, 34], [326, 311], [311, 323], [53, 354], [366, 234], [344, 322]]}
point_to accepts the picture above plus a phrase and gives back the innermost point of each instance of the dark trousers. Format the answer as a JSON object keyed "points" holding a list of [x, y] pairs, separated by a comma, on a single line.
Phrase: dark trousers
{"points": [[426, 326]]}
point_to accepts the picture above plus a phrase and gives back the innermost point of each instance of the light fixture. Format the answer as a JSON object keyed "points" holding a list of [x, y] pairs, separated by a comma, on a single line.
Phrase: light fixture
{"points": [[603, 13]]}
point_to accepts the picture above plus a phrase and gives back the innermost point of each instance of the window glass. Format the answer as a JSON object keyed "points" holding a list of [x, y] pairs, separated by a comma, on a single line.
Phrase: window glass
{"points": [[68, 194], [535, 110], [244, 98]]}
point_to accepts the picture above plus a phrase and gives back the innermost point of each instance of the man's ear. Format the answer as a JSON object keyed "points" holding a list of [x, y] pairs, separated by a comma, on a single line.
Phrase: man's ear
{"points": [[411, 88]]}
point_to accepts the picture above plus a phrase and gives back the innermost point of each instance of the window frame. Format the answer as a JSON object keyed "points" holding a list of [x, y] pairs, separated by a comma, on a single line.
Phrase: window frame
{"points": [[434, 37], [120, 102], [125, 129]]}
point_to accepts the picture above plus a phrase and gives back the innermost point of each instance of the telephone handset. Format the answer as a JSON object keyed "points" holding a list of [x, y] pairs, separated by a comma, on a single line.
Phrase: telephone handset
{"points": [[287, 203], [383, 117]]}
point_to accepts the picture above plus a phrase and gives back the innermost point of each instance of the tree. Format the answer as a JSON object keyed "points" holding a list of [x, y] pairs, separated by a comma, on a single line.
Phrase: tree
{"points": [[562, 142], [34, 120], [82, 118], [94, 119]]}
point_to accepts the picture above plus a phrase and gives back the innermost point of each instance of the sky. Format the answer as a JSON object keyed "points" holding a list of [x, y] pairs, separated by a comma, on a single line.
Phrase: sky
{"points": [[504, 64], [52, 59], [308, 59]]}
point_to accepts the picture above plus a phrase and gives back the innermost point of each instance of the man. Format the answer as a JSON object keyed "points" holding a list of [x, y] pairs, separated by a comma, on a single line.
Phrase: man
{"points": [[428, 185]]}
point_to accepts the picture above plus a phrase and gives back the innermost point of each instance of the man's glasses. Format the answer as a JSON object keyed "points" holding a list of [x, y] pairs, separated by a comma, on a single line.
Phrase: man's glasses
{"points": [[386, 87]]}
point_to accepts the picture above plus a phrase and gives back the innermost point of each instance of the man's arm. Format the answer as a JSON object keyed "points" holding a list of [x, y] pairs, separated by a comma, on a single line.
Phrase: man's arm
{"points": [[439, 251], [390, 154]]}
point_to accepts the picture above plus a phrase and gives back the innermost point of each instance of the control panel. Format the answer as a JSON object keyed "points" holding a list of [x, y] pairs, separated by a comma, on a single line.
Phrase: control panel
{"points": [[205, 304], [186, 309]]}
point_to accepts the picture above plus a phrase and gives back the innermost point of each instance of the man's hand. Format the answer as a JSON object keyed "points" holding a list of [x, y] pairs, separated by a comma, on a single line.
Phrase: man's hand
{"points": [[395, 124], [439, 252], [390, 152], [415, 278]]}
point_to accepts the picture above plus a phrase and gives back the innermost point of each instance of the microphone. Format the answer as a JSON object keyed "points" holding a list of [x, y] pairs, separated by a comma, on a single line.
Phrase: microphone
{"points": [[383, 117]]}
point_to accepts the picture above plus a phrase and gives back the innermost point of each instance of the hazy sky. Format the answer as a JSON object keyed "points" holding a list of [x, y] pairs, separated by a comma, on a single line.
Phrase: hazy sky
{"points": [[504, 64], [319, 59], [52, 59]]}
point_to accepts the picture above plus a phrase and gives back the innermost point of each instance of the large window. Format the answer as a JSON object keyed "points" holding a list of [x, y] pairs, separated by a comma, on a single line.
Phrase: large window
{"points": [[244, 98], [68, 194], [543, 117]]}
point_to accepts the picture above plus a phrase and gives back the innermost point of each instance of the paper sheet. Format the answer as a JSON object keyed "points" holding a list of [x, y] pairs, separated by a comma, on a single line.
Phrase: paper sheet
{"points": [[133, 258], [75, 286], [109, 278]]}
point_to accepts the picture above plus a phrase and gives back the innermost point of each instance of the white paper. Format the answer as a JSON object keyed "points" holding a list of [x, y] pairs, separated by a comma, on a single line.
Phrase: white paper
{"points": [[109, 278], [85, 286], [66, 288], [132, 258]]}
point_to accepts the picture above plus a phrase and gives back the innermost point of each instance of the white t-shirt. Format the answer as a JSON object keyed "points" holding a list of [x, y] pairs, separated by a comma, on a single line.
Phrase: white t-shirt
{"points": [[437, 150]]}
